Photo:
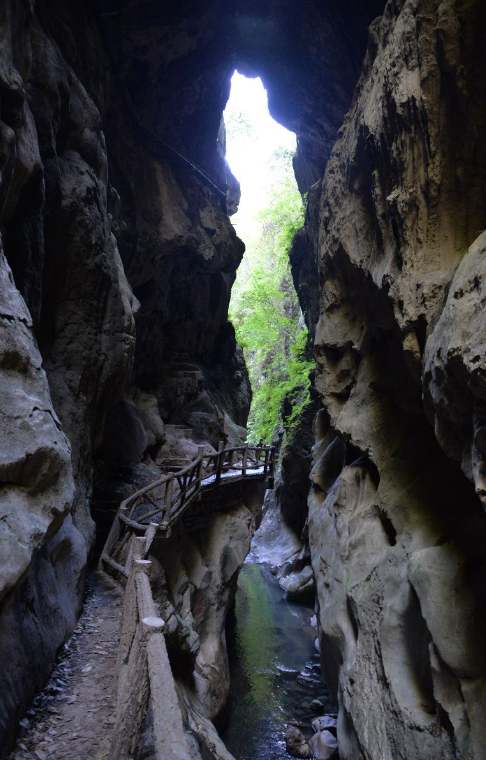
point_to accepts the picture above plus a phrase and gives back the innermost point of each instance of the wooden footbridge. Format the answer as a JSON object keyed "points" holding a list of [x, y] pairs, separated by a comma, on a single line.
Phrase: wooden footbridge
{"points": [[144, 671], [155, 509]]}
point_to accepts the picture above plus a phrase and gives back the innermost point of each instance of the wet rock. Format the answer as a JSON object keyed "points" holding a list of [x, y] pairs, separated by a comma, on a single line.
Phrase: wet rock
{"points": [[307, 680], [324, 722], [287, 671], [296, 744], [323, 745], [274, 542], [299, 586]]}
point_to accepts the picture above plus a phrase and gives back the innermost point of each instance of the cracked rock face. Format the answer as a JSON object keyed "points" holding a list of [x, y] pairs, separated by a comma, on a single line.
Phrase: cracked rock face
{"points": [[42, 553], [396, 527], [89, 214], [35, 467], [65, 349], [195, 584], [117, 264], [454, 371]]}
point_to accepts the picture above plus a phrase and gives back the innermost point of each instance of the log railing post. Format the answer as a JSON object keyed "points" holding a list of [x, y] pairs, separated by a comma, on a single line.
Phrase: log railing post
{"points": [[265, 464], [145, 601], [200, 456], [133, 697], [138, 551], [144, 668], [129, 557], [183, 485], [219, 462], [245, 461], [112, 535], [170, 743], [168, 496], [193, 475], [132, 700], [127, 633], [150, 534]]}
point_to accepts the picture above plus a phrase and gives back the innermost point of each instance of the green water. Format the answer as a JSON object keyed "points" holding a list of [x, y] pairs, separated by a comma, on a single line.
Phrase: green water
{"points": [[270, 642]]}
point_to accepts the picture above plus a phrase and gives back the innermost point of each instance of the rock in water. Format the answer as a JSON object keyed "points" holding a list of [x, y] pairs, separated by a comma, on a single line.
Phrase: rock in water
{"points": [[323, 722], [323, 745], [296, 743]]}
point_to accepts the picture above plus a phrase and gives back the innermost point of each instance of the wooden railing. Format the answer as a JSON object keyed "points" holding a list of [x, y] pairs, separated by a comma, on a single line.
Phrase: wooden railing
{"points": [[161, 504], [144, 670]]}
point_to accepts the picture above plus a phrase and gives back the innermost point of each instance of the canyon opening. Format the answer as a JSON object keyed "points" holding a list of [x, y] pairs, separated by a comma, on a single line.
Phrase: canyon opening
{"points": [[242, 492]]}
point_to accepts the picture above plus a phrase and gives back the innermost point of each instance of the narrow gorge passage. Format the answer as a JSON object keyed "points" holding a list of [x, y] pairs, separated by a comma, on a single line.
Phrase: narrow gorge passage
{"points": [[74, 714], [273, 660], [135, 331], [274, 667]]}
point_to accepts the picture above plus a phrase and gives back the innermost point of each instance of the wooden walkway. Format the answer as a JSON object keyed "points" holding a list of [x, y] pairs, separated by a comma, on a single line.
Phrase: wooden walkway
{"points": [[155, 509], [144, 671]]}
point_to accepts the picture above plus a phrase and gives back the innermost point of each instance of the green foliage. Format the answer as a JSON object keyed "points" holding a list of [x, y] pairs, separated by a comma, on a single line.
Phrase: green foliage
{"points": [[290, 388], [265, 312], [238, 124]]}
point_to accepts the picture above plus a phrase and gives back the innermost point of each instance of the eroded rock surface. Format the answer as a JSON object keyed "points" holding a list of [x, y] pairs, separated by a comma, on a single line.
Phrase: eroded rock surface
{"points": [[72, 301], [114, 202], [396, 529], [194, 581]]}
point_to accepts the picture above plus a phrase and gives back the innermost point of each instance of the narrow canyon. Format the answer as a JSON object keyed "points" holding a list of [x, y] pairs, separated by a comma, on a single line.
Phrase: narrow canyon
{"points": [[120, 368]]}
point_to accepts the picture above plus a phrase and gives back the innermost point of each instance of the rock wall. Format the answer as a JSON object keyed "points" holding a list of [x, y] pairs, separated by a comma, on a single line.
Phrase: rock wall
{"points": [[396, 522], [117, 263], [66, 345], [85, 201], [200, 566], [119, 258], [282, 539]]}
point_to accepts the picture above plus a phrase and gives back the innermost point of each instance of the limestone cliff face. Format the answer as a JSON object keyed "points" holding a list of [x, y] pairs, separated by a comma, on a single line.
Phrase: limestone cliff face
{"points": [[71, 300], [114, 200], [396, 530], [116, 264], [69, 207]]}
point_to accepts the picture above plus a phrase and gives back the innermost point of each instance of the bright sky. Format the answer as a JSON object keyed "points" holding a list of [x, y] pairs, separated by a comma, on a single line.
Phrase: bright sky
{"points": [[249, 156]]}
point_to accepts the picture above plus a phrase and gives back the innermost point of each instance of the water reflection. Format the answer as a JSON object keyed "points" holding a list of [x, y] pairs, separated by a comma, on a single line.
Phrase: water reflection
{"points": [[270, 645]]}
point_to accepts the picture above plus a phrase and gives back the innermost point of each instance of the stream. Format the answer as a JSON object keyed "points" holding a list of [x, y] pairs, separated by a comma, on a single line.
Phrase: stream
{"points": [[274, 667]]}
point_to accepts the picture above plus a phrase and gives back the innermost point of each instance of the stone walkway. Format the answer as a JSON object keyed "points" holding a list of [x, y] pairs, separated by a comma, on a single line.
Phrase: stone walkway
{"points": [[72, 718]]}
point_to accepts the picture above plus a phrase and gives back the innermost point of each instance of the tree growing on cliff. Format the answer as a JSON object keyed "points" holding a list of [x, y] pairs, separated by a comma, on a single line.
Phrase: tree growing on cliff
{"points": [[266, 312]]}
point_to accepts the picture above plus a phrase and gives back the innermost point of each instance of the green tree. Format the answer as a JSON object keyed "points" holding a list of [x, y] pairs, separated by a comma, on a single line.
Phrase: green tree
{"points": [[238, 124], [265, 310]]}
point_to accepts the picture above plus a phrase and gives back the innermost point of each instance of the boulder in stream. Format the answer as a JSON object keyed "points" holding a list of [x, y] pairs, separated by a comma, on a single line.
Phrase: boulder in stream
{"points": [[323, 745], [296, 743], [324, 722]]}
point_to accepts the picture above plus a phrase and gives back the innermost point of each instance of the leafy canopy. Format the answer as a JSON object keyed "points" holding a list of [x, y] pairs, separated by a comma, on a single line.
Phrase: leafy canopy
{"points": [[265, 310]]}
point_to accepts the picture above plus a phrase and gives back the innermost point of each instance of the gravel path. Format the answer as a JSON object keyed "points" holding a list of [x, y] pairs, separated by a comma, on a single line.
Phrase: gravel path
{"points": [[72, 718]]}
